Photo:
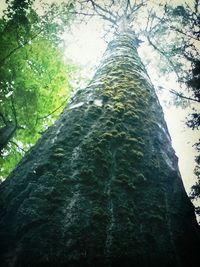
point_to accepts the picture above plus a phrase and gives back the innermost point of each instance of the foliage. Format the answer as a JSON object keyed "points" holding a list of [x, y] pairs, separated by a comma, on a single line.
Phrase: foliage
{"points": [[178, 26], [195, 193], [194, 123], [191, 53], [34, 79]]}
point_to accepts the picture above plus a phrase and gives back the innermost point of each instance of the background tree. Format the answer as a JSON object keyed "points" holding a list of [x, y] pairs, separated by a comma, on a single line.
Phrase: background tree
{"points": [[35, 80], [182, 57]]}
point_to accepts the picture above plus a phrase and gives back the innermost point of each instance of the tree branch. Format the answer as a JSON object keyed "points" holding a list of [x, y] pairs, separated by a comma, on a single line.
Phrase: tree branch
{"points": [[183, 96], [14, 111], [19, 46], [3, 118], [165, 56], [46, 116], [82, 13], [18, 146], [134, 8], [43, 18], [185, 34], [172, 91], [107, 15]]}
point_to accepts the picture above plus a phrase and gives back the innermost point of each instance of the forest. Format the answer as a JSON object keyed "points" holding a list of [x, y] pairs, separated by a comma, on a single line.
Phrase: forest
{"points": [[88, 172]]}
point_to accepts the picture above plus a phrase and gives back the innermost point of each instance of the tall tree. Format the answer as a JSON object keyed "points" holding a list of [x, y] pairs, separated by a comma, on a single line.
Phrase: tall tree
{"points": [[102, 186]]}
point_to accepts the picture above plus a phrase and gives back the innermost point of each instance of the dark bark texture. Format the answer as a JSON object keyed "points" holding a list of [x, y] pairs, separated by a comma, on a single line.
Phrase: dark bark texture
{"points": [[102, 186], [6, 134]]}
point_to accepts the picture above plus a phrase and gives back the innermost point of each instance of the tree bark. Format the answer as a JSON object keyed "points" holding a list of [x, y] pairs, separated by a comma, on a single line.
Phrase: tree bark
{"points": [[102, 186], [6, 132]]}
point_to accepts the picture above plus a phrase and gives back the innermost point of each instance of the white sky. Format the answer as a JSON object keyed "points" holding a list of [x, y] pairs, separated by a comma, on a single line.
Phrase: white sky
{"points": [[86, 47]]}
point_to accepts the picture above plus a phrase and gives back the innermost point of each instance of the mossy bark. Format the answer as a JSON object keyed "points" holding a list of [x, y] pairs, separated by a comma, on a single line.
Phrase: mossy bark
{"points": [[102, 186]]}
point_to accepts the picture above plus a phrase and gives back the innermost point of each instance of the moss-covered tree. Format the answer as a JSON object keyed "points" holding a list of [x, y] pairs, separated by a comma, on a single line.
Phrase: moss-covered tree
{"points": [[102, 186]]}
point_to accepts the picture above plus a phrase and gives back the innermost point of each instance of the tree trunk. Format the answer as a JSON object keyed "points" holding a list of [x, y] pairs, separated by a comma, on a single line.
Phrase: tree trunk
{"points": [[102, 186], [6, 132]]}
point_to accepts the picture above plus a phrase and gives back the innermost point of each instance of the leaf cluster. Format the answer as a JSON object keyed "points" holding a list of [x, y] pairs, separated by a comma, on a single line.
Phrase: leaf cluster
{"points": [[34, 79]]}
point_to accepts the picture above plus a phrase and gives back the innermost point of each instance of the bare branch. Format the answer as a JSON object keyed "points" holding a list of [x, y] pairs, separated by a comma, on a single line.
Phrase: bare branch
{"points": [[127, 7], [134, 8], [12, 142], [164, 20], [83, 13], [196, 6], [161, 52], [138, 6], [183, 96], [102, 12], [186, 34], [174, 92]]}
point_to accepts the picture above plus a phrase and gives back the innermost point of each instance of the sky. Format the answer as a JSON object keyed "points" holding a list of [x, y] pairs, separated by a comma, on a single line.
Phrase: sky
{"points": [[85, 46]]}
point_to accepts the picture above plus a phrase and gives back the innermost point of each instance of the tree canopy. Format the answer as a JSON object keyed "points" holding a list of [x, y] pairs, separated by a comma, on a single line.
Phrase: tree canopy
{"points": [[34, 78]]}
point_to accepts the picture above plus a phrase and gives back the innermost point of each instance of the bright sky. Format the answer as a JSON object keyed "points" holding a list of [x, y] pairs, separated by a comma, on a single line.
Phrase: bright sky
{"points": [[85, 46]]}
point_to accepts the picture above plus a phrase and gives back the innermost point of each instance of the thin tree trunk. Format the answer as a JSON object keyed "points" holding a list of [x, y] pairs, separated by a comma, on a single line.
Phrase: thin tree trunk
{"points": [[102, 186]]}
